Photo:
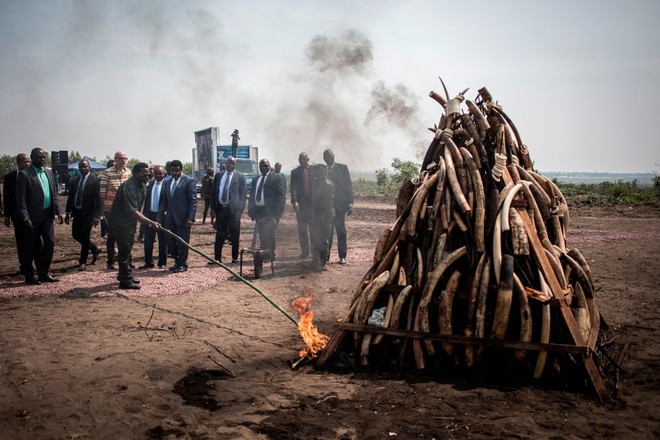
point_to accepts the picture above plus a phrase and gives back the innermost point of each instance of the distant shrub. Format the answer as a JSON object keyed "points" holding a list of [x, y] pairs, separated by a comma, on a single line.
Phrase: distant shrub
{"points": [[612, 193]]}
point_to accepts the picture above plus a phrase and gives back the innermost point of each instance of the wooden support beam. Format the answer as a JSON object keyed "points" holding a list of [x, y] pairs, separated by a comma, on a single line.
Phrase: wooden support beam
{"points": [[464, 340]]}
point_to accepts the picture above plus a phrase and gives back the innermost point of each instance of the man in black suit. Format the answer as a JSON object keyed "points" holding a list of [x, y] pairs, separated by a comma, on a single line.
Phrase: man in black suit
{"points": [[177, 208], [37, 203], [10, 211], [228, 203], [150, 211], [267, 199], [301, 200], [341, 178], [86, 207]]}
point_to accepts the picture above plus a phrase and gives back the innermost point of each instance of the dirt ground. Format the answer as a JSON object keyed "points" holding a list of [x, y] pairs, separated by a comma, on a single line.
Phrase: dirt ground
{"points": [[209, 358]]}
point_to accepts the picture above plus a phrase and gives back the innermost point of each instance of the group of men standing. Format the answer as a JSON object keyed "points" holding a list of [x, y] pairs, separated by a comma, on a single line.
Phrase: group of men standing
{"points": [[119, 198]]}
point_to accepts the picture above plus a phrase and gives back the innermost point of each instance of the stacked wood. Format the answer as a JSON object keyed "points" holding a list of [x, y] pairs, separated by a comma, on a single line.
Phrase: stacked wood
{"points": [[478, 260]]}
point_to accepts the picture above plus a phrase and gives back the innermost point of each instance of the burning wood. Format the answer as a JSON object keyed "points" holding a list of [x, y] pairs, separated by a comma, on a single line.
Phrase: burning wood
{"points": [[478, 266]]}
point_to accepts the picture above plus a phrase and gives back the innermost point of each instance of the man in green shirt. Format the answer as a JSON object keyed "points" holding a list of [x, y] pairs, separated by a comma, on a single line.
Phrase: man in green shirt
{"points": [[126, 211], [37, 204]]}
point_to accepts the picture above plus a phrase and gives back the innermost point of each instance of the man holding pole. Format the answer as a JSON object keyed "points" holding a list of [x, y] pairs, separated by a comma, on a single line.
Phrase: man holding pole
{"points": [[122, 218]]}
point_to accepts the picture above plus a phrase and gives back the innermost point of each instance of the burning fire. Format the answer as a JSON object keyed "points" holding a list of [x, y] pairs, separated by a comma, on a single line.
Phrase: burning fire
{"points": [[314, 340]]}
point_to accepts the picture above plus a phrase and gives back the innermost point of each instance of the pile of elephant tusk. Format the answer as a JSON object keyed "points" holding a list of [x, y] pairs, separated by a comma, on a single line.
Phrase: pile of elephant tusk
{"points": [[477, 269]]}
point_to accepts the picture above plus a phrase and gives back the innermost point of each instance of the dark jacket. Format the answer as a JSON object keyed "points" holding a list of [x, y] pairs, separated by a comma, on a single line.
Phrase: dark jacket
{"points": [[341, 178], [30, 196], [9, 193], [92, 205], [146, 209], [181, 206], [237, 192], [274, 194], [297, 185]]}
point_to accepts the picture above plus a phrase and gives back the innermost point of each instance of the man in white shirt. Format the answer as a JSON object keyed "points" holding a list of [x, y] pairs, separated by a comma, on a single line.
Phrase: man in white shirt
{"points": [[228, 203], [150, 210]]}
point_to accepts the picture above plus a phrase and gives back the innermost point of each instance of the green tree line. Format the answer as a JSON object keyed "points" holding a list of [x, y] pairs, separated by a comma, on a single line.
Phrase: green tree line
{"points": [[8, 162]]}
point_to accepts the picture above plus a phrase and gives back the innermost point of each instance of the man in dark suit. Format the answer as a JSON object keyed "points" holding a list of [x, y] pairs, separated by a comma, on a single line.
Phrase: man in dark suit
{"points": [[86, 207], [10, 211], [150, 211], [267, 199], [228, 203], [178, 204], [37, 203], [341, 178], [301, 193]]}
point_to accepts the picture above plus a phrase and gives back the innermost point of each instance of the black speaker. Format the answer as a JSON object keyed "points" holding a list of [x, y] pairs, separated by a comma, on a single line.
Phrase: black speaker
{"points": [[64, 157], [55, 157]]}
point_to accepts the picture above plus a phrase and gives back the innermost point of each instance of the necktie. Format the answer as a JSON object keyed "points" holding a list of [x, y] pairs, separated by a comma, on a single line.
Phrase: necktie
{"points": [[173, 187], [225, 189], [79, 193], [260, 188], [155, 194]]}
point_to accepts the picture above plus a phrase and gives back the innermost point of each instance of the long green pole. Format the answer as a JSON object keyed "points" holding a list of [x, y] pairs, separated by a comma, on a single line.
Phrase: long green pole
{"points": [[194, 249]]}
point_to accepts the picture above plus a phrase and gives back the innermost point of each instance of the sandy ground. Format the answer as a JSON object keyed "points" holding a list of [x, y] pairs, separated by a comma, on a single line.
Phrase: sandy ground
{"points": [[208, 358]]}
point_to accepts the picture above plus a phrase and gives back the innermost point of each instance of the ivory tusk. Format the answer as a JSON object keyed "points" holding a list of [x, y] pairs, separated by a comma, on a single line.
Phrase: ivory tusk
{"points": [[504, 297], [429, 288], [445, 312], [525, 316]]}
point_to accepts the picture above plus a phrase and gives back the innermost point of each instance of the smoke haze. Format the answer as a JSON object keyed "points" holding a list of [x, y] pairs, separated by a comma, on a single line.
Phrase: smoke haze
{"points": [[96, 76]]}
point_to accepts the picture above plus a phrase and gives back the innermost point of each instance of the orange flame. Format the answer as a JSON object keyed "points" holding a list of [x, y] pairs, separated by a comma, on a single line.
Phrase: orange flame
{"points": [[314, 340]]}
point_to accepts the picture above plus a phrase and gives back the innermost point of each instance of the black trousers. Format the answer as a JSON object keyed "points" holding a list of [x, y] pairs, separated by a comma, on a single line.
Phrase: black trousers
{"points": [[110, 245], [207, 207], [19, 235], [339, 225], [304, 218], [39, 245], [149, 238], [81, 230], [227, 224], [179, 250]]}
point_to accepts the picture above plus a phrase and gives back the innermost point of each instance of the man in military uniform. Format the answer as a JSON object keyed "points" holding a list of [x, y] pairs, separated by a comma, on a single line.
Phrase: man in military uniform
{"points": [[126, 211]]}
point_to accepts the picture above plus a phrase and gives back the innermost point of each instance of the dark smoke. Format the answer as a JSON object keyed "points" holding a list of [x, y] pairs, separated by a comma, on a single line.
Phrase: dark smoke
{"points": [[397, 105], [350, 50]]}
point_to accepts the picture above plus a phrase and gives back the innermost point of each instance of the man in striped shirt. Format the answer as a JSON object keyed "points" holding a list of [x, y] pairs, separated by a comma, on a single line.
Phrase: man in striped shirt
{"points": [[111, 179]]}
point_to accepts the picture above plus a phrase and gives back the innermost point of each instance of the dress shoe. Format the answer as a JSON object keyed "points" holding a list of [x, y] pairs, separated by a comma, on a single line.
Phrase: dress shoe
{"points": [[211, 263], [180, 269], [48, 278], [81, 267], [342, 261], [95, 255], [161, 266], [234, 261], [135, 280], [129, 285], [173, 267], [303, 255], [147, 266], [110, 267], [32, 280]]}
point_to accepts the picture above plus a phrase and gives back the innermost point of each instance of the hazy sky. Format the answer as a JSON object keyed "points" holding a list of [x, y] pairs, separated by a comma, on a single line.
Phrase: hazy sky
{"points": [[578, 78]]}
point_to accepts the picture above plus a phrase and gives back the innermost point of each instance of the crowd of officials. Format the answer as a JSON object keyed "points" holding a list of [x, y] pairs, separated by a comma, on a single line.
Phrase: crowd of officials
{"points": [[163, 198]]}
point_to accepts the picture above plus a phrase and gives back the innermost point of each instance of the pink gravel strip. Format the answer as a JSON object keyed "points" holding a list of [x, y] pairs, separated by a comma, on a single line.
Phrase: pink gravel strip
{"points": [[104, 283]]}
